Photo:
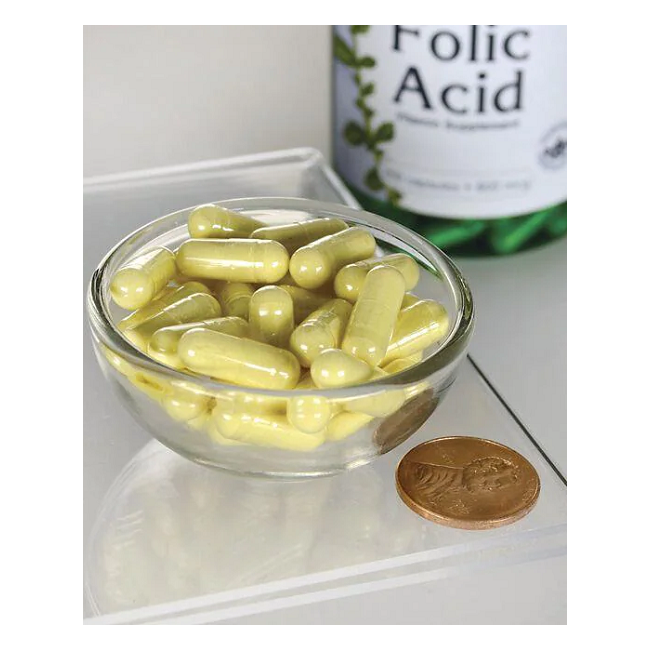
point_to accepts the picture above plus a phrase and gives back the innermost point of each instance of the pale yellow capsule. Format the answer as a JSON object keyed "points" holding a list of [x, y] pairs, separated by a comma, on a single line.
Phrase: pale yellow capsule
{"points": [[397, 365], [139, 281], [184, 405], [345, 424], [380, 404], [287, 279], [374, 315], [350, 278], [121, 365], [196, 307], [250, 403], [321, 330], [311, 413], [235, 298], [169, 296], [152, 385], [213, 221], [209, 425], [264, 430], [417, 327], [238, 361], [199, 423], [335, 369], [410, 299], [271, 316], [235, 260], [296, 235], [163, 345], [315, 264], [416, 389], [304, 301]]}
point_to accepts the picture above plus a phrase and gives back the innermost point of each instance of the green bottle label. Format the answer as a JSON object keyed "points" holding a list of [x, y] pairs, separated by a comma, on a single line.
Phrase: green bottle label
{"points": [[456, 121]]}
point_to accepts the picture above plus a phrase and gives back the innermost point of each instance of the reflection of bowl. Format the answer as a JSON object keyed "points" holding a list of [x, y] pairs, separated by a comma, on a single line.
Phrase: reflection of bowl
{"points": [[169, 530], [165, 401]]}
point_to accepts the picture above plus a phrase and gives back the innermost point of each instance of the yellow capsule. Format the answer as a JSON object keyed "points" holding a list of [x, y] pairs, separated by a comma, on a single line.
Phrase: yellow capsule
{"points": [[185, 405], [163, 345], [271, 316], [238, 361], [310, 413], [235, 298], [121, 365], [412, 391], [304, 301], [350, 278], [210, 427], [169, 296], [314, 264], [250, 403], [139, 281], [374, 315], [219, 223], [199, 423], [287, 280], [296, 235], [196, 307], [264, 430], [379, 405], [321, 330], [410, 299], [397, 365], [335, 369], [345, 424], [152, 385], [417, 327], [236, 260]]}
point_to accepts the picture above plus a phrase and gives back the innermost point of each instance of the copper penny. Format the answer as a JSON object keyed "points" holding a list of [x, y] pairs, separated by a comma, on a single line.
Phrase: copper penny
{"points": [[467, 483]]}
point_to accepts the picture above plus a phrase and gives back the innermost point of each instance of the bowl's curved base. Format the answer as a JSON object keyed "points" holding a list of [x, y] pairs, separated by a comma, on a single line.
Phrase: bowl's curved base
{"points": [[289, 475]]}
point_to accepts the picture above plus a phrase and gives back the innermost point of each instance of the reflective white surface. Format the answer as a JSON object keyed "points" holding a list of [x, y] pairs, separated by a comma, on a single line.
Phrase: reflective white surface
{"points": [[170, 530], [185, 542], [520, 341]]}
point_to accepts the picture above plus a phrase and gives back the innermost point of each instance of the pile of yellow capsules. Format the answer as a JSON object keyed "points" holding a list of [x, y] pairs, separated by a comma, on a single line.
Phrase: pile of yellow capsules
{"points": [[296, 306]]}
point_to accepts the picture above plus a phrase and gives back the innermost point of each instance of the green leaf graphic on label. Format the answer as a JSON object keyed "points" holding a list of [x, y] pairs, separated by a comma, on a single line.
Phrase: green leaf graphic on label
{"points": [[367, 62], [354, 134], [342, 51], [372, 179], [385, 133], [394, 196]]}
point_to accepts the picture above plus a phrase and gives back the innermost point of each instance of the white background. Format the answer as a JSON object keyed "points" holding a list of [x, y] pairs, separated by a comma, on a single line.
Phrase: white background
{"points": [[160, 95]]}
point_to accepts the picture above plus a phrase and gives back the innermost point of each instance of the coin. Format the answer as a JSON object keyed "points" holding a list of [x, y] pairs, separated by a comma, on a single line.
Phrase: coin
{"points": [[466, 482]]}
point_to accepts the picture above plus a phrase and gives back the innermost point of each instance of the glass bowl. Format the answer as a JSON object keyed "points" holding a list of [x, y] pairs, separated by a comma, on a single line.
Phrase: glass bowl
{"points": [[178, 408]]}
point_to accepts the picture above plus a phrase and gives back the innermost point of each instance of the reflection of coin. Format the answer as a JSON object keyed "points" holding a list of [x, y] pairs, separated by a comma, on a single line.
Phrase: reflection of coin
{"points": [[467, 483], [395, 429]]}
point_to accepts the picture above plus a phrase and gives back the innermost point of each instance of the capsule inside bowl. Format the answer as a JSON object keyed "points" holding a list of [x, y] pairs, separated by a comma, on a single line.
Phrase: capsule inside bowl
{"points": [[273, 359]]}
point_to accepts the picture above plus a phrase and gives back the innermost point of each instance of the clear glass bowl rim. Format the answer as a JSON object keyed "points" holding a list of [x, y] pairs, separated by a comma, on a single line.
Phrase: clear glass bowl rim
{"points": [[446, 355]]}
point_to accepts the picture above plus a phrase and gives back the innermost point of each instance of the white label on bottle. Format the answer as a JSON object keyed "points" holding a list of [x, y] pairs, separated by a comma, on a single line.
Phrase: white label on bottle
{"points": [[455, 121]]}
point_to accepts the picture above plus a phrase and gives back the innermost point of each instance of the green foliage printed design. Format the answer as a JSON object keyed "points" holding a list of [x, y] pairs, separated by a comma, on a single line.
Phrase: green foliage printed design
{"points": [[365, 134]]}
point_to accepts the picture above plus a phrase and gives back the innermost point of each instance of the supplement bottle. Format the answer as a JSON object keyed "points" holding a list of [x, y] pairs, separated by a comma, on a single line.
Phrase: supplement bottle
{"points": [[457, 131]]}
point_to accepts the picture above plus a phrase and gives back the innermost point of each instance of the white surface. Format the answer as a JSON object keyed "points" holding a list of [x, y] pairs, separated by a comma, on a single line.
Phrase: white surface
{"points": [[520, 337], [112, 439], [160, 95], [530, 594], [217, 545]]}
